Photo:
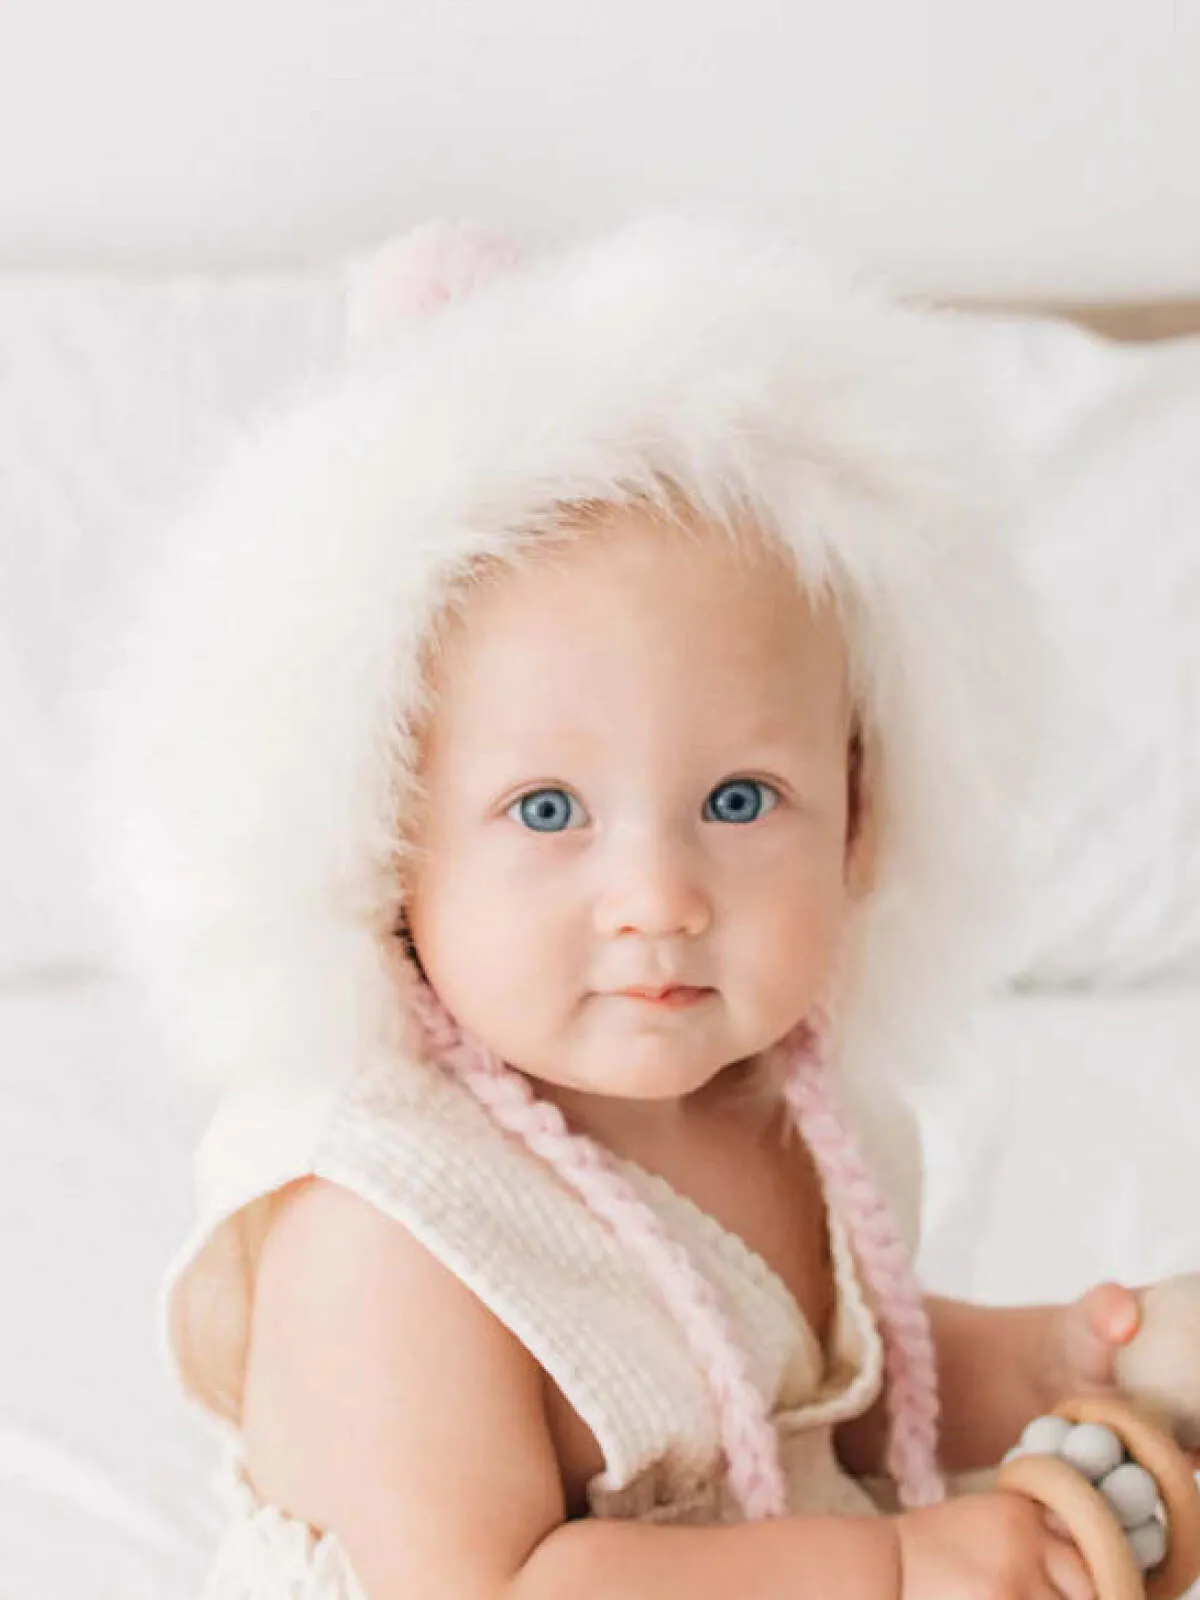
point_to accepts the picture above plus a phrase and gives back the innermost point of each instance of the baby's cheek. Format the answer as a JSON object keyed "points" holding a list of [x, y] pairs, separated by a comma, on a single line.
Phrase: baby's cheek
{"points": [[520, 967], [801, 940]]}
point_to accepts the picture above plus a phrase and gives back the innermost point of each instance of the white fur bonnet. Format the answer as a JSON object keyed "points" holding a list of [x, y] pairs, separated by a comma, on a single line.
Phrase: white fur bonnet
{"points": [[247, 738]]}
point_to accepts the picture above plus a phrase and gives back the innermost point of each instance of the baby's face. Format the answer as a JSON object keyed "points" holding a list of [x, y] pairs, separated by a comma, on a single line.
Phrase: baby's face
{"points": [[636, 777]]}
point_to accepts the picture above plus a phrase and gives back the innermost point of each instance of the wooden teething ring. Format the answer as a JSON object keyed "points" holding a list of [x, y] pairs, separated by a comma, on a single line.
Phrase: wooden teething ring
{"points": [[1166, 1463], [1055, 1484]]}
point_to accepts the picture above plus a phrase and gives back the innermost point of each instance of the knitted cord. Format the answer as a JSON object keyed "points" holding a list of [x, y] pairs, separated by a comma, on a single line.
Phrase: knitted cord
{"points": [[910, 1367], [747, 1434]]}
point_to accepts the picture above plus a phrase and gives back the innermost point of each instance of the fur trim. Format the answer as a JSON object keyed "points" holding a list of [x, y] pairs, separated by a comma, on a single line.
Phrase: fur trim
{"points": [[248, 756]]}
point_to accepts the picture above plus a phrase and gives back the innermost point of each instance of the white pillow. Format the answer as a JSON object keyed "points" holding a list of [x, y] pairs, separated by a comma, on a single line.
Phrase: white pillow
{"points": [[114, 397], [1113, 433]]}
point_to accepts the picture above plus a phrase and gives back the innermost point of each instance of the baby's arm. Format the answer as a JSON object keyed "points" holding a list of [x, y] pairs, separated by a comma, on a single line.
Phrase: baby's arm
{"points": [[996, 1373], [992, 1363], [385, 1402]]}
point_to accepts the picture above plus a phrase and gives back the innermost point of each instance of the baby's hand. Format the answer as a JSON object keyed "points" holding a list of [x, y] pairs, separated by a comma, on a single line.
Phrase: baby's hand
{"points": [[1086, 1338], [998, 1546]]}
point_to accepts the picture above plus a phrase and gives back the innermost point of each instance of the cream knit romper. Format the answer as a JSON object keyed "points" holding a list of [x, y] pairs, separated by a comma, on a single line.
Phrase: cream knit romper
{"points": [[411, 1140]]}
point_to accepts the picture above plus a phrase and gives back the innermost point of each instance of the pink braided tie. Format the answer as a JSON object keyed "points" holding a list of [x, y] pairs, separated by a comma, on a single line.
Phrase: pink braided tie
{"points": [[910, 1358]]}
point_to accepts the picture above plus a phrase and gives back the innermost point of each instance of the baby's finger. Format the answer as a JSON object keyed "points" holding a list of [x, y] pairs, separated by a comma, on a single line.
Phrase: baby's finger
{"points": [[1056, 1524], [1068, 1572]]}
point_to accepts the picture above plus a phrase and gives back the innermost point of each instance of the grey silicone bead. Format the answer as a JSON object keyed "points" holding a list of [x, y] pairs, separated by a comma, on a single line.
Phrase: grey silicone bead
{"points": [[1131, 1492], [1148, 1544], [1095, 1451], [1043, 1437]]}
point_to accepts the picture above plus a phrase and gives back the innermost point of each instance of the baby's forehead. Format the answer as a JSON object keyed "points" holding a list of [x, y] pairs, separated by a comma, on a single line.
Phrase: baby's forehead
{"points": [[627, 620], [629, 567]]}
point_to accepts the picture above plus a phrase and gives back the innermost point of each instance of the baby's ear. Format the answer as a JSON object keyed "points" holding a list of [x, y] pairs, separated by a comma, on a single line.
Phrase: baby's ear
{"points": [[862, 814]]}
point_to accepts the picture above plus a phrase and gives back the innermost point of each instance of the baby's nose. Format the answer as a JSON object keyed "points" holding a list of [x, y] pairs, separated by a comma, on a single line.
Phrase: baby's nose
{"points": [[655, 889]]}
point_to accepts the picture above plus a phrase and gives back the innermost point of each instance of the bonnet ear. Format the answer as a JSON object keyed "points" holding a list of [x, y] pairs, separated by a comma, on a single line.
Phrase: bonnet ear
{"points": [[411, 276]]}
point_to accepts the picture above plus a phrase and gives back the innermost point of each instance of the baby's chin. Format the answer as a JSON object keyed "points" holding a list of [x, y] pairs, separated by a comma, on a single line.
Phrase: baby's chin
{"points": [[648, 1064], [648, 1081]]}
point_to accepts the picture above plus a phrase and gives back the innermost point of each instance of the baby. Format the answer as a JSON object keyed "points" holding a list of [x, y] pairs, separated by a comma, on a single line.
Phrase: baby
{"points": [[569, 760]]}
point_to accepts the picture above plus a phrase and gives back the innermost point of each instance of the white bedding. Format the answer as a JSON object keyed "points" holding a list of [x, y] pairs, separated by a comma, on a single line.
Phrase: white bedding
{"points": [[1041, 1179], [102, 1474]]}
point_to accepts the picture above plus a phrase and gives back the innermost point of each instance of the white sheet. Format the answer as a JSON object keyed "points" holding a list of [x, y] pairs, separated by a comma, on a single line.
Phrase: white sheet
{"points": [[1041, 1179], [1069, 1150], [103, 1489]]}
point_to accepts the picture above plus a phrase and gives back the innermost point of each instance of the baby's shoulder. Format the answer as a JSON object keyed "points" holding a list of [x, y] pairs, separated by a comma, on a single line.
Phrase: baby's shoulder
{"points": [[345, 1386]]}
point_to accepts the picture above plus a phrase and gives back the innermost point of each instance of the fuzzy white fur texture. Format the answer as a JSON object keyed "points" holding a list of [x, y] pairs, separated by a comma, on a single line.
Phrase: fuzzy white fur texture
{"points": [[248, 756]]}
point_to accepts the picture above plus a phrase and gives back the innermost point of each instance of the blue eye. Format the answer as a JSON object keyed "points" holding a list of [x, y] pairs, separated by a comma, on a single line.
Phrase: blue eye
{"points": [[544, 810], [740, 800]]}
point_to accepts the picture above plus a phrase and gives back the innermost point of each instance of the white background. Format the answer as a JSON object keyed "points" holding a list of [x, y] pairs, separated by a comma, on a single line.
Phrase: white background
{"points": [[1037, 147]]}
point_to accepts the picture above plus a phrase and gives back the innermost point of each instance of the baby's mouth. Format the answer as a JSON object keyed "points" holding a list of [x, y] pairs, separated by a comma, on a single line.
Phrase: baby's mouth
{"points": [[673, 997]]}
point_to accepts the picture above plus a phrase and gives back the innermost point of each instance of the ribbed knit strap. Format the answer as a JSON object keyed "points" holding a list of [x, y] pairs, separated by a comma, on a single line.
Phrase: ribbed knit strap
{"points": [[910, 1364]]}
